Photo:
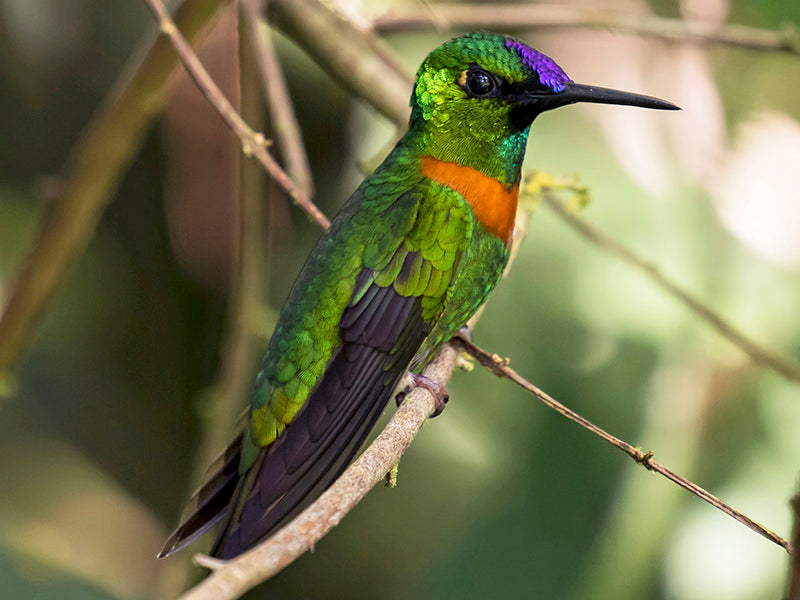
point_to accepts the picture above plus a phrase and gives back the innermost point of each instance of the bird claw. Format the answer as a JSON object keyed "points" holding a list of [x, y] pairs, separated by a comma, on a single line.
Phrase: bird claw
{"points": [[439, 393]]}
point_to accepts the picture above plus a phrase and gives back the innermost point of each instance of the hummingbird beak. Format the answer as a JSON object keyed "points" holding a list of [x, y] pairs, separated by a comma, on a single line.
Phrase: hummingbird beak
{"points": [[576, 92]]}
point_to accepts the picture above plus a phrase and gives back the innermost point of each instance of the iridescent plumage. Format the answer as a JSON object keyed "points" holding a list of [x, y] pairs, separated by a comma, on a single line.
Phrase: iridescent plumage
{"points": [[413, 253]]}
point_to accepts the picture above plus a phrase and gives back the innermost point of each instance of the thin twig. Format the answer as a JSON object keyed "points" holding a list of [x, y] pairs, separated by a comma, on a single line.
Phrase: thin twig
{"points": [[252, 143], [500, 368], [230, 579], [347, 54], [794, 569], [682, 397], [755, 351], [545, 16], [284, 122], [106, 147]]}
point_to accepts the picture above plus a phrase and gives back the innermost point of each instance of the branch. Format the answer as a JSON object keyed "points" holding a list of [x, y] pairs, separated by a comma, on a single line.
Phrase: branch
{"points": [[284, 121], [755, 351], [230, 579], [500, 368], [106, 148], [794, 570], [544, 16], [252, 143], [359, 62]]}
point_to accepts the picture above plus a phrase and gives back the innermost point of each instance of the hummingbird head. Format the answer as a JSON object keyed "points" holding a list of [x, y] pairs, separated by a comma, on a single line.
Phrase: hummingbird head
{"points": [[479, 93], [495, 74]]}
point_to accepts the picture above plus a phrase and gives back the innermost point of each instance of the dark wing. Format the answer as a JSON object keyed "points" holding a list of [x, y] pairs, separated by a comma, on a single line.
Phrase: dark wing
{"points": [[380, 333]]}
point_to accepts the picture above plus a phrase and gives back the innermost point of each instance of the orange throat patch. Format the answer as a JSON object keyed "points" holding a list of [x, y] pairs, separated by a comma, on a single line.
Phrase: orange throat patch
{"points": [[494, 204]]}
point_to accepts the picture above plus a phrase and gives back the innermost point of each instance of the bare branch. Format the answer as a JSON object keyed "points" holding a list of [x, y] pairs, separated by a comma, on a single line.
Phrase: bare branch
{"points": [[794, 569], [546, 16], [230, 579], [252, 143], [500, 368], [359, 62], [726, 329], [106, 148], [284, 122]]}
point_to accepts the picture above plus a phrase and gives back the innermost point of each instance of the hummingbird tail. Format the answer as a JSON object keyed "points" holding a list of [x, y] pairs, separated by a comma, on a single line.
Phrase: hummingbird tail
{"points": [[210, 503], [284, 482]]}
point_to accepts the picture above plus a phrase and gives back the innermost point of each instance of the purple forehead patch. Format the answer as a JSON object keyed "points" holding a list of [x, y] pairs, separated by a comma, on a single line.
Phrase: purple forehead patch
{"points": [[550, 74]]}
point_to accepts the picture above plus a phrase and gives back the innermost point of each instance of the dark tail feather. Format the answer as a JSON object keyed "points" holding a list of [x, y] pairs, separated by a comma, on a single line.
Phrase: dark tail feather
{"points": [[311, 454], [210, 503]]}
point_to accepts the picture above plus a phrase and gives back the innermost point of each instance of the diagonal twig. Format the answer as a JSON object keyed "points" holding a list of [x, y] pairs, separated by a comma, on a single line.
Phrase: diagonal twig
{"points": [[253, 144], [548, 16], [230, 579], [500, 368], [794, 568], [726, 329]]}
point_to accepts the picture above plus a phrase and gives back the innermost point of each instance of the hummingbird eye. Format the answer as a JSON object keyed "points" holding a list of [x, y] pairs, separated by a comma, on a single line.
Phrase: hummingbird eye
{"points": [[479, 83]]}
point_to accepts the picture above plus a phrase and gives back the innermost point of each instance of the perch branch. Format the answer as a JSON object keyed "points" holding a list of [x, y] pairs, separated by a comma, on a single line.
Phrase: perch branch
{"points": [[500, 368], [253, 144], [546, 16], [755, 351], [107, 146], [230, 579]]}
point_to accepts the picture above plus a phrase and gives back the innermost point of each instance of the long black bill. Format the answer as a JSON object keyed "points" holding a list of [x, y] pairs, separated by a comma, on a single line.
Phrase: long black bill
{"points": [[576, 92]]}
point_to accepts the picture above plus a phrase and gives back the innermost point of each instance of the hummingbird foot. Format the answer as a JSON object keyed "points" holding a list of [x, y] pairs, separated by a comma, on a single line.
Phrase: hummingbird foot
{"points": [[439, 393]]}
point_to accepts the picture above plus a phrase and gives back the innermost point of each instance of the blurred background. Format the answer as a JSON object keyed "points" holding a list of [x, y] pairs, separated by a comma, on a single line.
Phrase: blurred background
{"points": [[499, 497]]}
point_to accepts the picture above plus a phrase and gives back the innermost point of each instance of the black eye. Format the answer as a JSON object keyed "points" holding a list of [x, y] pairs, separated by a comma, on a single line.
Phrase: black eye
{"points": [[479, 83]]}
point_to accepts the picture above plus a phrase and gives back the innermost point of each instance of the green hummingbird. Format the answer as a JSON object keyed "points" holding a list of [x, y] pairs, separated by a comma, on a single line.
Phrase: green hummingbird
{"points": [[410, 257]]}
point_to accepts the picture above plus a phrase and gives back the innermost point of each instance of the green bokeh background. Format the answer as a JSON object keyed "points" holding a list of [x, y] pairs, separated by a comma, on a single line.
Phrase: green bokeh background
{"points": [[499, 497]]}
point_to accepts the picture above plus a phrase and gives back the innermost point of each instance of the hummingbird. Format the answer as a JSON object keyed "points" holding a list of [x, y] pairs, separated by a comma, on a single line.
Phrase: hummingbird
{"points": [[413, 253]]}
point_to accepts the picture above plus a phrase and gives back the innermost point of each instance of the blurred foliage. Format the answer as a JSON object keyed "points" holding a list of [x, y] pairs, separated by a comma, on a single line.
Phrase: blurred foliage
{"points": [[497, 498]]}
